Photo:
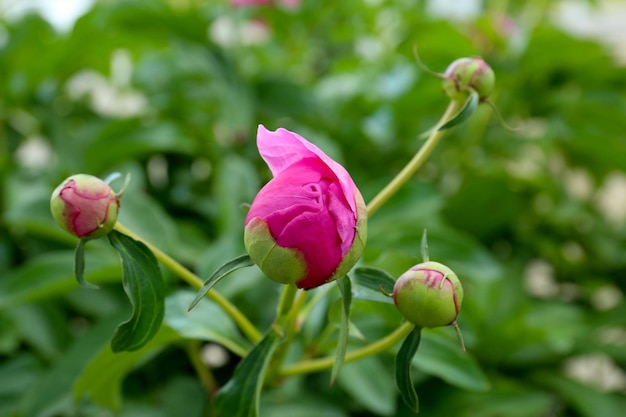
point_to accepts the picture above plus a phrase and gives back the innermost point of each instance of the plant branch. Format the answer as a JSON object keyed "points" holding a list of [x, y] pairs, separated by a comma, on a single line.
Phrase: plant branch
{"points": [[381, 345], [418, 160]]}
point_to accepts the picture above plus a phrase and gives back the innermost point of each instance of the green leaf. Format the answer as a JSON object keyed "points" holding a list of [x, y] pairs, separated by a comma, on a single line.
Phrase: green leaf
{"points": [[51, 274], [588, 401], [404, 360], [239, 262], [102, 379], [442, 356], [50, 395], [195, 325], [373, 279], [345, 288], [240, 396], [22, 371], [144, 286], [79, 265], [466, 111], [370, 383]]}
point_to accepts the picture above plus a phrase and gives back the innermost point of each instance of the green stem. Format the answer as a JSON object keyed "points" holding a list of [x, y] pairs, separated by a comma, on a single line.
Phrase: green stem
{"points": [[192, 279], [381, 345], [287, 313], [204, 374], [418, 160], [286, 300]]}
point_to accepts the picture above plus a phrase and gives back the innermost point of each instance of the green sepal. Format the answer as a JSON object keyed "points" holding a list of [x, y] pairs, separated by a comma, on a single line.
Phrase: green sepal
{"points": [[239, 262], [79, 265], [403, 368], [466, 111], [345, 288], [144, 287], [241, 394]]}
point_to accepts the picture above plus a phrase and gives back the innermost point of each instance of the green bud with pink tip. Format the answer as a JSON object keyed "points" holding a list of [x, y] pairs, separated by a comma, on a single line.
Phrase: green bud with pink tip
{"points": [[466, 75], [85, 206], [429, 295]]}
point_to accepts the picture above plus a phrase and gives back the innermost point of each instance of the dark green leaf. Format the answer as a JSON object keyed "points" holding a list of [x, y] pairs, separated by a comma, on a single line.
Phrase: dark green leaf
{"points": [[144, 286], [403, 368], [79, 265], [466, 111], [240, 396], [230, 266], [345, 288], [373, 279]]}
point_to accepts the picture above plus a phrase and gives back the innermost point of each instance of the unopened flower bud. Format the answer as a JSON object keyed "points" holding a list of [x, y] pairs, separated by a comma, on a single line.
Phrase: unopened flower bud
{"points": [[85, 206], [308, 225], [466, 74], [429, 295]]}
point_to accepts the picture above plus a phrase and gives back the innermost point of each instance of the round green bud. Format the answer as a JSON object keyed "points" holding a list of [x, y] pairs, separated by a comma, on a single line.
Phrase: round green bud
{"points": [[428, 295], [467, 74]]}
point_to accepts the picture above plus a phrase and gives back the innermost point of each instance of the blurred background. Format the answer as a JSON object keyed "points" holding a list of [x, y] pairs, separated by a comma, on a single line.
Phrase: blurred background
{"points": [[533, 221]]}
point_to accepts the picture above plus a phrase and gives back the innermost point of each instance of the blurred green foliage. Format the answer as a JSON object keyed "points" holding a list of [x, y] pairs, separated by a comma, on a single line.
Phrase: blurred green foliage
{"points": [[172, 92]]}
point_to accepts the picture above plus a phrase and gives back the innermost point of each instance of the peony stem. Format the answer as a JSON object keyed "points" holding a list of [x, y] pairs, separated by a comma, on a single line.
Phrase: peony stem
{"points": [[381, 345], [192, 279], [286, 299], [418, 160]]}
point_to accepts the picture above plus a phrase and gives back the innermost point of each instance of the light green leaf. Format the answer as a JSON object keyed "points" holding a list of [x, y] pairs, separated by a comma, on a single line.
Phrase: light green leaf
{"points": [[442, 356], [102, 379], [370, 383], [52, 274], [144, 286], [345, 288], [240, 396], [588, 401], [50, 395], [404, 380], [206, 322]]}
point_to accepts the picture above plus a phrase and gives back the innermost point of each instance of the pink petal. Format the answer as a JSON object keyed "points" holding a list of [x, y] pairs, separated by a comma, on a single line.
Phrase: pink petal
{"points": [[283, 148]]}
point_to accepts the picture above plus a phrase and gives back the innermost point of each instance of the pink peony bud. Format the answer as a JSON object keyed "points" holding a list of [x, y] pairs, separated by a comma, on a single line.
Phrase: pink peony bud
{"points": [[466, 74], [429, 295], [308, 225], [85, 206]]}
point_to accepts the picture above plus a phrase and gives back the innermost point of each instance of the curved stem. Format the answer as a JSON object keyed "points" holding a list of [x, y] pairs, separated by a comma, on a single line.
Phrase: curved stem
{"points": [[418, 160], [192, 279], [381, 345], [205, 376]]}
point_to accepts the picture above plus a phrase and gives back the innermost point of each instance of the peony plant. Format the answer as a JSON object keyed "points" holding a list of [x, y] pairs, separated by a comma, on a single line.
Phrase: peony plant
{"points": [[308, 225], [305, 228]]}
